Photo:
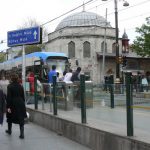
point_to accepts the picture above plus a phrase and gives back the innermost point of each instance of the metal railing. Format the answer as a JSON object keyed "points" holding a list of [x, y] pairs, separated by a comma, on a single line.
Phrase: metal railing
{"points": [[82, 100]]}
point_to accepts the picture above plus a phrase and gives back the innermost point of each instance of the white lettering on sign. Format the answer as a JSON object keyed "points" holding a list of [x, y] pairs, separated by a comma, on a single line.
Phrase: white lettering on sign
{"points": [[17, 34], [13, 41], [23, 39], [27, 32]]}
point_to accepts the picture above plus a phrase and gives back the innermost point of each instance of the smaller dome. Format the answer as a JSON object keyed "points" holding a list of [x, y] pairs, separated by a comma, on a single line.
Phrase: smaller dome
{"points": [[83, 19]]}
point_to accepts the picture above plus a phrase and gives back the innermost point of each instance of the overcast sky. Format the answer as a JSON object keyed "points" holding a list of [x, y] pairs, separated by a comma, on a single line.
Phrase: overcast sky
{"points": [[14, 13]]}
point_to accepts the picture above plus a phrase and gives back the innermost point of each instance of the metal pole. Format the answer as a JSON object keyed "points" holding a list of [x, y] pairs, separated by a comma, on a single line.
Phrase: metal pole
{"points": [[83, 103], [50, 99], [35, 93], [42, 93], [54, 96], [23, 69], [117, 44], [111, 87], [104, 50]]}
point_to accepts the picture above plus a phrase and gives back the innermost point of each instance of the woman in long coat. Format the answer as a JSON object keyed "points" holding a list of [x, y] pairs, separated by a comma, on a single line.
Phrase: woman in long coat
{"points": [[16, 110]]}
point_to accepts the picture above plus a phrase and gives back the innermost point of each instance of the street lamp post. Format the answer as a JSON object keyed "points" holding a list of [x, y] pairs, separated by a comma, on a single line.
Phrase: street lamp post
{"points": [[117, 43]]}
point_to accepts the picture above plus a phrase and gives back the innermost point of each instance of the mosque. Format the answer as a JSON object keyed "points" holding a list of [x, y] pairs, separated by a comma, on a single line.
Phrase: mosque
{"points": [[82, 36]]}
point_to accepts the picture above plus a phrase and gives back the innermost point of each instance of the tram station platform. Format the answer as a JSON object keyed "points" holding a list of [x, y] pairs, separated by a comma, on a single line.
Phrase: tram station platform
{"points": [[105, 128], [36, 138]]}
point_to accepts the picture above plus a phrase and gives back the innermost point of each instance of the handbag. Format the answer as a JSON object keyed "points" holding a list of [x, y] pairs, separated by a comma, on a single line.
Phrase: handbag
{"points": [[26, 120]]}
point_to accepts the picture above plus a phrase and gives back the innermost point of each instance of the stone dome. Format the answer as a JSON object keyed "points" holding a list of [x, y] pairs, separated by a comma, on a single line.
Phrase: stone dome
{"points": [[83, 19]]}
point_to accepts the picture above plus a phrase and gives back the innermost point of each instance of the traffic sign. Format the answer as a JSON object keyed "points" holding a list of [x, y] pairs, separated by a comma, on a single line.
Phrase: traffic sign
{"points": [[24, 36]]}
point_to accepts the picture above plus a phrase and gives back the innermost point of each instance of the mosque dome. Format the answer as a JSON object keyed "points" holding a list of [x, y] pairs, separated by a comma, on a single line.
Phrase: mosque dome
{"points": [[83, 19]]}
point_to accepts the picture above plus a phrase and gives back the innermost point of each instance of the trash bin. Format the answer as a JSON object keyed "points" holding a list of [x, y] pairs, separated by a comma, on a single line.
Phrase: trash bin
{"points": [[76, 94], [88, 94], [69, 96], [64, 95]]}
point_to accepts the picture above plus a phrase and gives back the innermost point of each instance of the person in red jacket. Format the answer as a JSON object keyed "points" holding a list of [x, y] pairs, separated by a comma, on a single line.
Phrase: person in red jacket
{"points": [[31, 81]]}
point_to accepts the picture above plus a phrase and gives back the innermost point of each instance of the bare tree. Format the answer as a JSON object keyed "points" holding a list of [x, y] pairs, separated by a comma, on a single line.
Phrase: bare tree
{"points": [[32, 22]]}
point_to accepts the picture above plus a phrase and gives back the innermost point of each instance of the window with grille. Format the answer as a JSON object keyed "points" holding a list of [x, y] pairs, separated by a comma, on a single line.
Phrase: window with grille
{"points": [[71, 49]]}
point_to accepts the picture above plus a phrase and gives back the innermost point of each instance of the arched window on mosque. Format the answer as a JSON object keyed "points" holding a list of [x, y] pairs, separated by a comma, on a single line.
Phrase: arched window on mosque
{"points": [[114, 48], [71, 49], [102, 47], [86, 49]]}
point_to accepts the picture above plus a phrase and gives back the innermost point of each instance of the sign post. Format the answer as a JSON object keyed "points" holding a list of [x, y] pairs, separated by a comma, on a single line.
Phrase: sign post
{"points": [[27, 36], [23, 68]]}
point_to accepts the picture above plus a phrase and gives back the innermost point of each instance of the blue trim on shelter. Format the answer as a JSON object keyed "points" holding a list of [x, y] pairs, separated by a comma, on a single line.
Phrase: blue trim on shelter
{"points": [[43, 55]]}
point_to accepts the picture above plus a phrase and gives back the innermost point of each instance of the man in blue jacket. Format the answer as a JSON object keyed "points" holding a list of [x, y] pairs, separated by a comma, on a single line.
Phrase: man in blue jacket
{"points": [[51, 74]]}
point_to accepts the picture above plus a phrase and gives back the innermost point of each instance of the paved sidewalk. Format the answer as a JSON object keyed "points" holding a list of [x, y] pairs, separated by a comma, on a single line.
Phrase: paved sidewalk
{"points": [[36, 138]]}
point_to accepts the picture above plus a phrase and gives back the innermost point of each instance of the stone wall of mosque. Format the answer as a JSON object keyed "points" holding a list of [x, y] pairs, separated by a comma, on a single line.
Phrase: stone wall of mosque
{"points": [[58, 42]]}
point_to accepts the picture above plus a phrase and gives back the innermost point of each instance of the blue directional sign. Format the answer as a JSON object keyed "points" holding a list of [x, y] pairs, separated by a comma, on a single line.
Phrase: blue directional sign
{"points": [[24, 36]]}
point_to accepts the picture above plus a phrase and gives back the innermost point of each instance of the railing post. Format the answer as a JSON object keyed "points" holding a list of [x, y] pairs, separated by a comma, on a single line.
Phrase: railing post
{"points": [[42, 96], [83, 103], [35, 92], [129, 104], [111, 87], [54, 96]]}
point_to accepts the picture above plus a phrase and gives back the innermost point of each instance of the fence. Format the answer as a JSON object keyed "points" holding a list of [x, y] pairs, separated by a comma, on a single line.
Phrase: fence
{"points": [[99, 104]]}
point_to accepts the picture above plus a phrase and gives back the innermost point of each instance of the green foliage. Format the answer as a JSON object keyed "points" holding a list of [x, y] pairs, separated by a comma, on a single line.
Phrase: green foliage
{"points": [[142, 43], [30, 49], [31, 22], [2, 56]]}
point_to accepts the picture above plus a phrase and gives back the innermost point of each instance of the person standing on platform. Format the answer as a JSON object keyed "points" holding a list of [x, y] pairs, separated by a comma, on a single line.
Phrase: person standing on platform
{"points": [[106, 83], [47, 88], [31, 81], [51, 74], [76, 75], [4, 83], [68, 76], [15, 104]]}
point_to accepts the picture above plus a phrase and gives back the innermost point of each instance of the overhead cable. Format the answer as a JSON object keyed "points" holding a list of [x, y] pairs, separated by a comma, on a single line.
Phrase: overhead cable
{"points": [[67, 12]]}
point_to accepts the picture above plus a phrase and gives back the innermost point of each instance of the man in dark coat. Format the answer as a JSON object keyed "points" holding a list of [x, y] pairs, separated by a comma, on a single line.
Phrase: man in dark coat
{"points": [[16, 110], [2, 106], [76, 75]]}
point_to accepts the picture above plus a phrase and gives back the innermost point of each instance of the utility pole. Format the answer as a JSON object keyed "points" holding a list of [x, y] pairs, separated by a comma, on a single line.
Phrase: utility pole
{"points": [[104, 50]]}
